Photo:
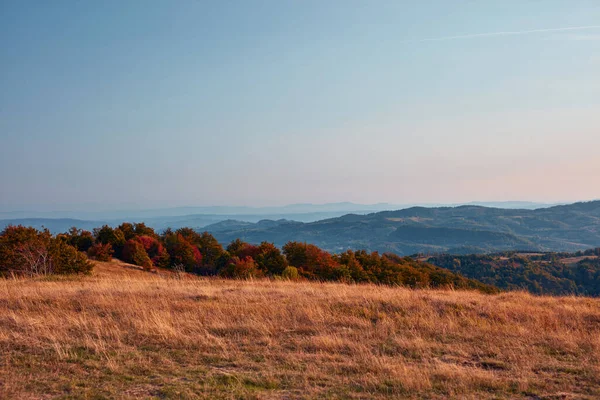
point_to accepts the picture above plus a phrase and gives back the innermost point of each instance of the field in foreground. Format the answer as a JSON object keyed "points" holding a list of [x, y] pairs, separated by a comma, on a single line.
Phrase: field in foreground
{"points": [[124, 333]]}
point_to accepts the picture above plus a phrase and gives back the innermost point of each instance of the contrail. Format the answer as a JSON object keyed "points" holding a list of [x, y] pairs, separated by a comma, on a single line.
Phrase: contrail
{"points": [[505, 33]]}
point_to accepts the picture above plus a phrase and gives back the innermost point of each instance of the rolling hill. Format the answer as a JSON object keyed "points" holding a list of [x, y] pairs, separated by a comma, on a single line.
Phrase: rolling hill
{"points": [[460, 230]]}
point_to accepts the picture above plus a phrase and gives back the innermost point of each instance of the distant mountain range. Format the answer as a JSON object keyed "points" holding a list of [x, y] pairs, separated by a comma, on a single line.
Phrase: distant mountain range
{"points": [[459, 230], [304, 212]]}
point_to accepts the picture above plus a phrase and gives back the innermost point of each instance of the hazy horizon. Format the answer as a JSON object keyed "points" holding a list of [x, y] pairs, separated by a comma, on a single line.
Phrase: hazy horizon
{"points": [[156, 104], [90, 209]]}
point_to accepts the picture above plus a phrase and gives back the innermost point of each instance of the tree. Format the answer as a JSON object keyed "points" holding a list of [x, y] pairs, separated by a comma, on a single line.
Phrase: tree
{"points": [[100, 252], [295, 253], [114, 237], [270, 260], [182, 252], [210, 249], [32, 252], [190, 235], [244, 268], [141, 229], [127, 229], [310, 260], [236, 246], [24, 250], [81, 239], [241, 249], [134, 253], [352, 265], [155, 250]]}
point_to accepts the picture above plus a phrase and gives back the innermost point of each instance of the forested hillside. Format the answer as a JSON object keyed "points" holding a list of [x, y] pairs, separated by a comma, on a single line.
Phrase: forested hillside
{"points": [[454, 230], [540, 273]]}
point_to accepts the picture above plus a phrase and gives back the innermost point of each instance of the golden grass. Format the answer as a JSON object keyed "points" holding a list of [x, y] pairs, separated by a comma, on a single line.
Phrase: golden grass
{"points": [[124, 333]]}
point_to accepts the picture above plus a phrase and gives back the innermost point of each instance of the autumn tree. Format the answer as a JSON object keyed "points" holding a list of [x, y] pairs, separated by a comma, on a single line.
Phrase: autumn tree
{"points": [[134, 253], [182, 252], [114, 237], [81, 239], [270, 260], [241, 268], [25, 250], [100, 252], [310, 260], [155, 250], [210, 249]]}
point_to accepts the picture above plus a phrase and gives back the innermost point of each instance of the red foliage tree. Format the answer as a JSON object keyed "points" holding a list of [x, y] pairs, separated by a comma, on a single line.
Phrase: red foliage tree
{"points": [[310, 260], [242, 268], [155, 249], [101, 252], [183, 252]]}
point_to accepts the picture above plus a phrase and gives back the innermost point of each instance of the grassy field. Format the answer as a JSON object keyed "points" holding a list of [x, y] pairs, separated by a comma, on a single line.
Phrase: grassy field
{"points": [[125, 333]]}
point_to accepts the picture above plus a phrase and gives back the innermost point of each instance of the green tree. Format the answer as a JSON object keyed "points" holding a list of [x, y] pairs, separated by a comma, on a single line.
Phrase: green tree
{"points": [[270, 260]]}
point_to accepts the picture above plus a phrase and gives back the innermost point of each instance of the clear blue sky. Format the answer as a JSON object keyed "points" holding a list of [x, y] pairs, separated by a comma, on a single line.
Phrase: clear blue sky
{"points": [[168, 103]]}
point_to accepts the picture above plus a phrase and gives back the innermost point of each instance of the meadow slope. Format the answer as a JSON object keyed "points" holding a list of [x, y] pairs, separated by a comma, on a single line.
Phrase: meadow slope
{"points": [[125, 333]]}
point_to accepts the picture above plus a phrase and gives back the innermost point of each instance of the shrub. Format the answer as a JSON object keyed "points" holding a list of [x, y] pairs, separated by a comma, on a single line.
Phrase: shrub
{"points": [[290, 273], [66, 259]]}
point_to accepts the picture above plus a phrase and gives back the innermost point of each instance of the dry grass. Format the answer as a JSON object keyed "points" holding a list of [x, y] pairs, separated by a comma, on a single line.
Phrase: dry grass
{"points": [[123, 333]]}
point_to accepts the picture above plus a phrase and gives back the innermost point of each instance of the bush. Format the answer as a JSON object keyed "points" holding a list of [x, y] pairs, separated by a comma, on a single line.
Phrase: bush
{"points": [[100, 252], [66, 259], [290, 273]]}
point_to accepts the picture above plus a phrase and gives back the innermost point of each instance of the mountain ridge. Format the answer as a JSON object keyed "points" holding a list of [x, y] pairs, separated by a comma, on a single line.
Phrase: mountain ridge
{"points": [[463, 229]]}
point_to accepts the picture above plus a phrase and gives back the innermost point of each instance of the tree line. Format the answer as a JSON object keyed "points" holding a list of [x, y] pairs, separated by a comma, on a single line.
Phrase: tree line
{"points": [[539, 273], [23, 250]]}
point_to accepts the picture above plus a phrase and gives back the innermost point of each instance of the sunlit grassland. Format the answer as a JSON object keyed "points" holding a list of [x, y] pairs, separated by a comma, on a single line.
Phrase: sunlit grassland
{"points": [[124, 333]]}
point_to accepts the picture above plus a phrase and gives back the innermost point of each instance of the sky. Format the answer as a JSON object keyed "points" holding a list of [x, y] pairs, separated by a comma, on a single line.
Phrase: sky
{"points": [[148, 103]]}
